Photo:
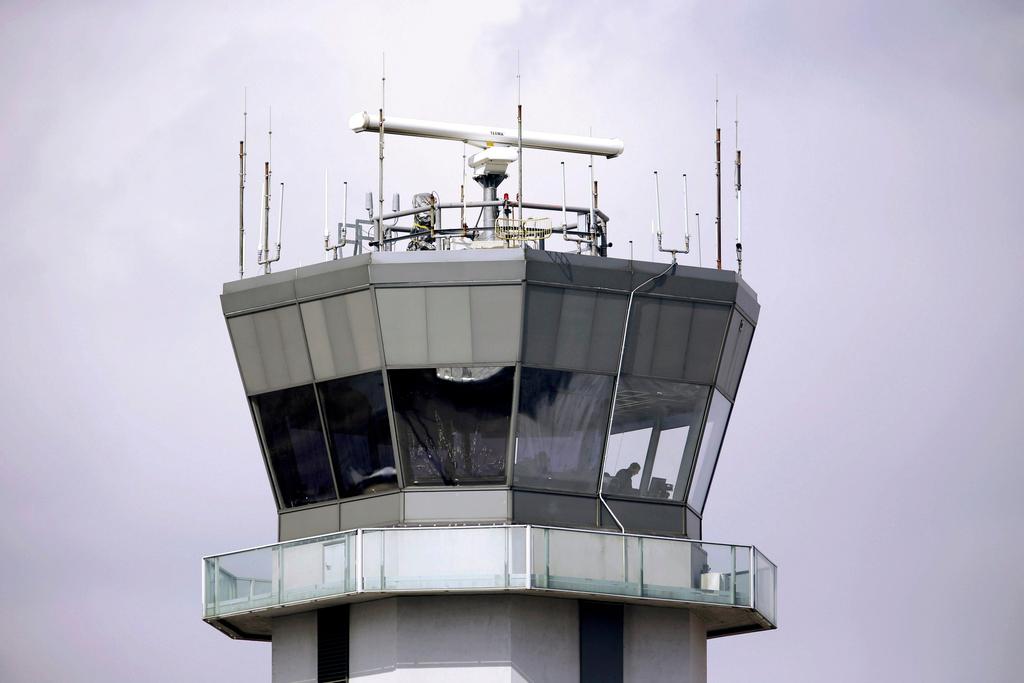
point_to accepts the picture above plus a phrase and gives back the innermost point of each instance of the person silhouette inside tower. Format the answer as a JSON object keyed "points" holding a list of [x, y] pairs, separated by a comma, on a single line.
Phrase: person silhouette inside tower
{"points": [[622, 482]]}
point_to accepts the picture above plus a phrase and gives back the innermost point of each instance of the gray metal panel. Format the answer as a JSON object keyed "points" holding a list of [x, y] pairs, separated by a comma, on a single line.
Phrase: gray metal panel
{"points": [[448, 266], [606, 334], [403, 325], [322, 279], [572, 328], [258, 292], [342, 334], [559, 268], [675, 339], [306, 522], [456, 505], [707, 334], [746, 301], [449, 331], [370, 512], [642, 517], [496, 321], [622, 275], [540, 326], [734, 355], [271, 349], [693, 524], [457, 325], [550, 508]]}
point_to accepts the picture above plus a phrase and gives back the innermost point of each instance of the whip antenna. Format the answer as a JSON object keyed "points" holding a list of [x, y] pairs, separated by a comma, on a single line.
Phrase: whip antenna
{"points": [[380, 171], [519, 126], [241, 185], [718, 179], [739, 203]]}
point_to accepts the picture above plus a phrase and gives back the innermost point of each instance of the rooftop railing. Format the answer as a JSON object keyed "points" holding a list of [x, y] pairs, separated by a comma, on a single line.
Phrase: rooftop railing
{"points": [[481, 559]]}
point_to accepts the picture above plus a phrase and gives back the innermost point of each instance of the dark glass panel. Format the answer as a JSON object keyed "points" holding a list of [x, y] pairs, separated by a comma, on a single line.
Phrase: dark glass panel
{"points": [[675, 339], [295, 445], [453, 423], [563, 417], [573, 329], [654, 435], [734, 355], [360, 436], [601, 642]]}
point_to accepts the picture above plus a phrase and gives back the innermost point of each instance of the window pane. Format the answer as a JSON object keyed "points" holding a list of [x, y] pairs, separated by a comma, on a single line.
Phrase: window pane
{"points": [[360, 436], [718, 416], [561, 428], [453, 423], [295, 445], [654, 436]]}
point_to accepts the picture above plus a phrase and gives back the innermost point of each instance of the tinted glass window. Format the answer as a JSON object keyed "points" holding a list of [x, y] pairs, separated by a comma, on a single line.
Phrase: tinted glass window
{"points": [[295, 445], [561, 428], [359, 433], [654, 436], [453, 423], [714, 432]]}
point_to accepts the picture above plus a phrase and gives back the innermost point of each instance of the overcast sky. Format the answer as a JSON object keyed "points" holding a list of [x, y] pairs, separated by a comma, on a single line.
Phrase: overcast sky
{"points": [[875, 449]]}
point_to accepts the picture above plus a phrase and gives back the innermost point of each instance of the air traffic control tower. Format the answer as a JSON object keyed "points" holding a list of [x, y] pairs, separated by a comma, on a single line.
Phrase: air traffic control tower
{"points": [[490, 460]]}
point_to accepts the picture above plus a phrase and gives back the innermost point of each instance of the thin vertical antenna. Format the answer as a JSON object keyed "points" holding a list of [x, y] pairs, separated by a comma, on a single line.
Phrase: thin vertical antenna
{"points": [[380, 171], [263, 220], [686, 217], [739, 202], [327, 218], [592, 228], [718, 179], [657, 204], [343, 233], [700, 261], [241, 185], [280, 223], [519, 123], [565, 218], [264, 252], [462, 190]]}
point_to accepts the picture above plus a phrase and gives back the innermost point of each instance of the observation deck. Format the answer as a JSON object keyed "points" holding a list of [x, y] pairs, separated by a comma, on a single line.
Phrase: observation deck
{"points": [[731, 588]]}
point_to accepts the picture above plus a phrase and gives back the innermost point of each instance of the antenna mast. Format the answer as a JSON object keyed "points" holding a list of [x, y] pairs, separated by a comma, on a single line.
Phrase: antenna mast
{"points": [[519, 125], [700, 262], [263, 256], [241, 186], [739, 204], [686, 242], [718, 178], [379, 237]]}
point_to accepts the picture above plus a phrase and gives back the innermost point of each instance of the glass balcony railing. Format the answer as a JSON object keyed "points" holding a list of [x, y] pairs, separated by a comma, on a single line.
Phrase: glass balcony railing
{"points": [[489, 559]]}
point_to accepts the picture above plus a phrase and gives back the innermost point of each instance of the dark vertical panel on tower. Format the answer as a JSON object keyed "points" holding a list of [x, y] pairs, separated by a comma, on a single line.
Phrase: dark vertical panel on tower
{"points": [[332, 644], [601, 652]]}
